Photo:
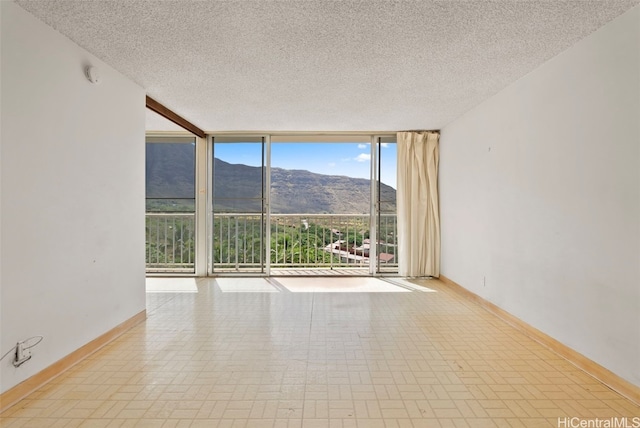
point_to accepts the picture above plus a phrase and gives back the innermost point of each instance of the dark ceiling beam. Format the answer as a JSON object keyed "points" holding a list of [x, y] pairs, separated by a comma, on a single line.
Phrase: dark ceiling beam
{"points": [[173, 117]]}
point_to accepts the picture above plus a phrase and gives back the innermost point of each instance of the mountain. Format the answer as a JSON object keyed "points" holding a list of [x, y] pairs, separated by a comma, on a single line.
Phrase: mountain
{"points": [[293, 191], [299, 191], [170, 170], [237, 188]]}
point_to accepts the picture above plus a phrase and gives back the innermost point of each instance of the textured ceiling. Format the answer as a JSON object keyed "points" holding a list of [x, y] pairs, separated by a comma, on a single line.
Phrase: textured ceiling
{"points": [[324, 65]]}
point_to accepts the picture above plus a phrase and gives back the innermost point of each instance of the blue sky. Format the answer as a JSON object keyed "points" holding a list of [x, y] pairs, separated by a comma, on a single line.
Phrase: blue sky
{"points": [[350, 159]]}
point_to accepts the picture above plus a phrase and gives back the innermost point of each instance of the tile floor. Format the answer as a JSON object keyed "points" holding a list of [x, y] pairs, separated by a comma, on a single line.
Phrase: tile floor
{"points": [[241, 358]]}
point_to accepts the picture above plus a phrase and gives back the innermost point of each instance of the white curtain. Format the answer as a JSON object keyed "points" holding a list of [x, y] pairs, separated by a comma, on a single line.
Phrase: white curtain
{"points": [[418, 207]]}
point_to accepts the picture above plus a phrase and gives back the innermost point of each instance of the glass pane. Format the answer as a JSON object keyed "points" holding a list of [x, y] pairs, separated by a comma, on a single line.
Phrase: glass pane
{"points": [[170, 176], [320, 178], [387, 217], [320, 204], [170, 205], [388, 161], [238, 204], [238, 177]]}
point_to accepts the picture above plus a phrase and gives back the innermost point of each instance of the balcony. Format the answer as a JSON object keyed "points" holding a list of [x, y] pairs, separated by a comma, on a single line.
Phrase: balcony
{"points": [[299, 243]]}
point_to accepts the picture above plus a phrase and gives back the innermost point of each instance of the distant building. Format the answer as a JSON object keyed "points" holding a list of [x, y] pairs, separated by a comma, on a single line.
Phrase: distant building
{"points": [[356, 255]]}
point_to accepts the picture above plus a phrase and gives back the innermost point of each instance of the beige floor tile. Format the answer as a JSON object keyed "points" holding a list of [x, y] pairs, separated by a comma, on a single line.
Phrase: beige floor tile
{"points": [[280, 359]]}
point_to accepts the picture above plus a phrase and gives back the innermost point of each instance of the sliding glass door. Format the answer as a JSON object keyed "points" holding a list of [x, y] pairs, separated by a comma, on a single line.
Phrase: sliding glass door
{"points": [[303, 205], [320, 199], [386, 226], [237, 205]]}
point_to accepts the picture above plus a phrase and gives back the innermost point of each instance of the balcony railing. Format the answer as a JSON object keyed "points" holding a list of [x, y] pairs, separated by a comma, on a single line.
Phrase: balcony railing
{"points": [[170, 239], [297, 241]]}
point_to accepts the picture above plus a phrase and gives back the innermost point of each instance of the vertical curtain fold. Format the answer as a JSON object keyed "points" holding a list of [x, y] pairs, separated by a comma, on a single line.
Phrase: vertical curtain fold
{"points": [[418, 204]]}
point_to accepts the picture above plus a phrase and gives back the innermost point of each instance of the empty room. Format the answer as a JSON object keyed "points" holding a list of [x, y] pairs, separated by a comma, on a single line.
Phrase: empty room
{"points": [[320, 213]]}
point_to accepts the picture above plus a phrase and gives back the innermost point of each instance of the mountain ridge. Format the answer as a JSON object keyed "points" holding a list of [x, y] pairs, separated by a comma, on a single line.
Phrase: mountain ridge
{"points": [[237, 187]]}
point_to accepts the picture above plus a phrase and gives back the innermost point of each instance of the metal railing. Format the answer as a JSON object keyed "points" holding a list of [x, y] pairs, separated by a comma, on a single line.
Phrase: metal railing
{"points": [[304, 241], [301, 241], [324, 241], [238, 242], [170, 242]]}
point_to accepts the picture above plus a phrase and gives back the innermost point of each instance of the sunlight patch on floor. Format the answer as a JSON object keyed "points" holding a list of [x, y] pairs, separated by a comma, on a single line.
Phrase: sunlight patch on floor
{"points": [[171, 285], [245, 285], [291, 284], [339, 285]]}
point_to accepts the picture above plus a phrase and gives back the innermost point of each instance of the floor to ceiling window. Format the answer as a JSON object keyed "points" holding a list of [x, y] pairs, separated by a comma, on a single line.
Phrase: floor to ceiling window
{"points": [[170, 204], [276, 205]]}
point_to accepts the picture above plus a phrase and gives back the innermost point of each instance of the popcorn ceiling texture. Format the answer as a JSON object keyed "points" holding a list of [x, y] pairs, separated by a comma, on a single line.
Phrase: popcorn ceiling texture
{"points": [[324, 65]]}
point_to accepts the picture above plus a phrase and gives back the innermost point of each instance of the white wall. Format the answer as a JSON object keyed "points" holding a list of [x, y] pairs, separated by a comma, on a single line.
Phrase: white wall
{"points": [[72, 174], [540, 198]]}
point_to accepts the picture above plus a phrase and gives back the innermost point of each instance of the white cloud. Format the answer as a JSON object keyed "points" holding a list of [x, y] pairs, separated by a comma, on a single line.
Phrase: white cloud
{"points": [[363, 157], [385, 145], [363, 146], [331, 164]]}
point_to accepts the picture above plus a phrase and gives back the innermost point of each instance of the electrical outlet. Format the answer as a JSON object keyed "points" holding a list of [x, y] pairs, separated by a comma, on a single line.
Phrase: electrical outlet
{"points": [[22, 354]]}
